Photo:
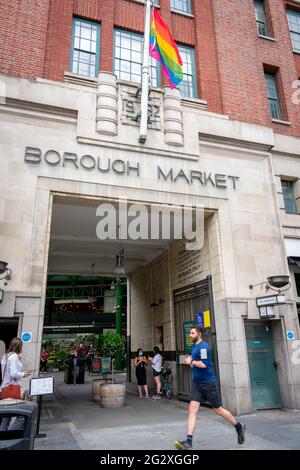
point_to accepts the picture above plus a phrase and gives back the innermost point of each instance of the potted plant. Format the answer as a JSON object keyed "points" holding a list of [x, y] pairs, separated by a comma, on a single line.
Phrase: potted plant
{"points": [[112, 395]]}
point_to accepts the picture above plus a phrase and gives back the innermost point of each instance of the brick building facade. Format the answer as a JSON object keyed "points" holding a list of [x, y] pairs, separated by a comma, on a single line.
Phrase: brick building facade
{"points": [[227, 140], [230, 55]]}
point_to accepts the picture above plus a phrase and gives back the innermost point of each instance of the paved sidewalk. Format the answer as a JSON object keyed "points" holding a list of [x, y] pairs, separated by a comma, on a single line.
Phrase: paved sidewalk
{"points": [[73, 421]]}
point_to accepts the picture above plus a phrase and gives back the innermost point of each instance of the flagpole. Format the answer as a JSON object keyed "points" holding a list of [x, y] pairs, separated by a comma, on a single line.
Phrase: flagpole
{"points": [[145, 76]]}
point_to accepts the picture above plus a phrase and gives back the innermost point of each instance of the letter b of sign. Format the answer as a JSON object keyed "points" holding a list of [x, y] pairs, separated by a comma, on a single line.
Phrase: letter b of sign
{"points": [[32, 155]]}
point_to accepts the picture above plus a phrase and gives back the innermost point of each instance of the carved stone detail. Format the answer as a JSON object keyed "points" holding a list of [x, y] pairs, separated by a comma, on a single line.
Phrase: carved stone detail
{"points": [[107, 104], [173, 124]]}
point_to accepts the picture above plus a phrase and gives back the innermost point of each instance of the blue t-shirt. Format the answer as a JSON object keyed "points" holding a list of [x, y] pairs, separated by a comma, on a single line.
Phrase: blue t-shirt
{"points": [[202, 352]]}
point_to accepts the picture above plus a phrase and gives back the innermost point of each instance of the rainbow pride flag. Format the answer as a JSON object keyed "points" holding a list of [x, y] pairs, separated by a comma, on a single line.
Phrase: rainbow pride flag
{"points": [[164, 49]]}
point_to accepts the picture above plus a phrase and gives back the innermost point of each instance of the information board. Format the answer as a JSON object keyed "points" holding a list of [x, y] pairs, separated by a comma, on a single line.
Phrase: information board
{"points": [[41, 386]]}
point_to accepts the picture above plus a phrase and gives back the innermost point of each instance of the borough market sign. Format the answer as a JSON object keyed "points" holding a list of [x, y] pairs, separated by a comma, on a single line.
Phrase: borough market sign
{"points": [[88, 162]]}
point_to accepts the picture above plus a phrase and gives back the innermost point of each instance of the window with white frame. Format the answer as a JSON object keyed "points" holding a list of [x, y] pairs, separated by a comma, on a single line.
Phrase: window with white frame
{"points": [[188, 84], [182, 6], [293, 17], [85, 50], [128, 58]]}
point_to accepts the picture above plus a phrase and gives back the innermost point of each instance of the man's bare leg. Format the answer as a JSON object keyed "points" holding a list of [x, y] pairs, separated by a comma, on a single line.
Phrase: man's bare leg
{"points": [[191, 425], [226, 415], [239, 426], [192, 416]]}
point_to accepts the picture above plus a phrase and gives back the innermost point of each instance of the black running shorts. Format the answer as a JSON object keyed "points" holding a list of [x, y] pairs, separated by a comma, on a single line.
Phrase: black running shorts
{"points": [[206, 392], [155, 373]]}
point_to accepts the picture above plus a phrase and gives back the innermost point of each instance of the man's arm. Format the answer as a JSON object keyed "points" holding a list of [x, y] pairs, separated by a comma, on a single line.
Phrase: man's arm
{"points": [[190, 361], [199, 364]]}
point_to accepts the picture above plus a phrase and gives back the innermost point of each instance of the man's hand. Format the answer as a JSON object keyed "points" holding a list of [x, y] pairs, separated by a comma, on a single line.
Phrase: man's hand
{"points": [[188, 359]]}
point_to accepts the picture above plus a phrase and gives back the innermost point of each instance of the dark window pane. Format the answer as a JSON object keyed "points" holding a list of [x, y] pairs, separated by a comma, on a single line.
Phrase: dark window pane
{"points": [[297, 281], [274, 105], [260, 16], [293, 17], [288, 197]]}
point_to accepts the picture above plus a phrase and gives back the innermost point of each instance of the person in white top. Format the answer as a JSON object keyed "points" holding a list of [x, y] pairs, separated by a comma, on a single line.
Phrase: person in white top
{"points": [[156, 366], [12, 373]]}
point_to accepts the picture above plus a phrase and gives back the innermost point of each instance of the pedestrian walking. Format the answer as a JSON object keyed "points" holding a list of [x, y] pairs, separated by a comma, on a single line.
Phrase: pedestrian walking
{"points": [[204, 387], [43, 361], [12, 374], [89, 358], [156, 366], [140, 363]]}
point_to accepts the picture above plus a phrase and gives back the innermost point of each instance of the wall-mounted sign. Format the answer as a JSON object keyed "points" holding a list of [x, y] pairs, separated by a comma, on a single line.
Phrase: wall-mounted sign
{"points": [[270, 300], [203, 319], [116, 166], [290, 335], [267, 312], [26, 337], [186, 265]]}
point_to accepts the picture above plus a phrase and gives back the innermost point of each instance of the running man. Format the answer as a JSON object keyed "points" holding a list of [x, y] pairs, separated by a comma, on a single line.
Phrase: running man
{"points": [[204, 386]]}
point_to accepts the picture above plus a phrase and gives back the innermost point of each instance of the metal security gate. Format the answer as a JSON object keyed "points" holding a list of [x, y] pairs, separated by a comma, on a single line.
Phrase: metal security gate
{"points": [[187, 302]]}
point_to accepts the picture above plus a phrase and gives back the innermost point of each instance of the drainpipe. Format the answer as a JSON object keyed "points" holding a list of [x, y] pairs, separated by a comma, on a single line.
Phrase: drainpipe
{"points": [[118, 297], [128, 339], [213, 330]]}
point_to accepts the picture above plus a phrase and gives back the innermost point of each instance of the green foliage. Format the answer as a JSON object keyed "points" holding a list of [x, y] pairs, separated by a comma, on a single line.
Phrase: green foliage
{"points": [[113, 344], [48, 344], [98, 343], [62, 353], [90, 339]]}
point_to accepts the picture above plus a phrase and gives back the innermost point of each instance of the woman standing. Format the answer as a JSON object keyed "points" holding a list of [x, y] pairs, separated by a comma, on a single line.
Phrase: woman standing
{"points": [[43, 361], [12, 373], [140, 362], [156, 366]]}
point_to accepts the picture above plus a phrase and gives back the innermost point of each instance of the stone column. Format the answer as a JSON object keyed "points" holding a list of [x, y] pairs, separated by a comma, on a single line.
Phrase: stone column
{"points": [[107, 104], [173, 125], [30, 309]]}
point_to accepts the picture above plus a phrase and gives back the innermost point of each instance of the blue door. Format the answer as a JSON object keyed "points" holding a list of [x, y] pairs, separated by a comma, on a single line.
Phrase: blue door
{"points": [[262, 366]]}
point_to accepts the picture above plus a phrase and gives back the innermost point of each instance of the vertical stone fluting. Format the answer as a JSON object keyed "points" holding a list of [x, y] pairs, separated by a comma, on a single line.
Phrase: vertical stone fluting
{"points": [[107, 104], [173, 125]]}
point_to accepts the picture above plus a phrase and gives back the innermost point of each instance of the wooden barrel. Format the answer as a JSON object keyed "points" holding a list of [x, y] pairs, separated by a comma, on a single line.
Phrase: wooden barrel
{"points": [[96, 389], [112, 395]]}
